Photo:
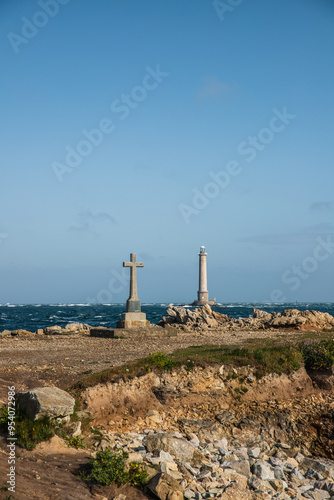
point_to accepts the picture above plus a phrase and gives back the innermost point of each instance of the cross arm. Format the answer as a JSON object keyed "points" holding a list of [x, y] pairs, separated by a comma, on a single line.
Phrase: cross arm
{"points": [[133, 264]]}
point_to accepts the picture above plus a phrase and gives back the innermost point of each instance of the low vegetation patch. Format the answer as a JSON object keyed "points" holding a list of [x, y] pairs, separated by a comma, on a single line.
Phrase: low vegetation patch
{"points": [[280, 355], [29, 433], [109, 467], [270, 359], [318, 354]]}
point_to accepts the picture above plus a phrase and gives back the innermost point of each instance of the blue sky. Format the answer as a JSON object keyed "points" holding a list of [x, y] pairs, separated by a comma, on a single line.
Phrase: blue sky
{"points": [[159, 126]]}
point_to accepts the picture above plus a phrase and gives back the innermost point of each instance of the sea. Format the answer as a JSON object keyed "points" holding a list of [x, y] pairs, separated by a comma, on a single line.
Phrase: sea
{"points": [[33, 316]]}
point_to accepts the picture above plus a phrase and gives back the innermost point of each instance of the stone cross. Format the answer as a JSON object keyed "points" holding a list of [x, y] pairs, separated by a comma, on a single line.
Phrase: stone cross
{"points": [[133, 303]]}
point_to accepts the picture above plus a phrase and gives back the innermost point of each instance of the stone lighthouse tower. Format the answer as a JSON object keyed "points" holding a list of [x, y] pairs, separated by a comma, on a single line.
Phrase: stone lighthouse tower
{"points": [[203, 294]]}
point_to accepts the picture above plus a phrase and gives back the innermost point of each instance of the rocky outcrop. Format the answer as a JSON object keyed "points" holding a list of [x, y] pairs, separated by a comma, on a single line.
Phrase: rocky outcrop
{"points": [[42, 401], [205, 319], [69, 329], [300, 320], [202, 318]]}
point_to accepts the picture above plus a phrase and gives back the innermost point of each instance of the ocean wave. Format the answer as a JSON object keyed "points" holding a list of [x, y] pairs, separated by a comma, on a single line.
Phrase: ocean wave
{"points": [[30, 317], [78, 305]]}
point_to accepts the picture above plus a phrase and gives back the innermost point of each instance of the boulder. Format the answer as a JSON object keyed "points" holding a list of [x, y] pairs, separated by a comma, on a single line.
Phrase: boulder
{"points": [[77, 327], [5, 333], [69, 329], [206, 430], [324, 466], [262, 470], [179, 447], [21, 332], [53, 330], [241, 466], [42, 401], [165, 487]]}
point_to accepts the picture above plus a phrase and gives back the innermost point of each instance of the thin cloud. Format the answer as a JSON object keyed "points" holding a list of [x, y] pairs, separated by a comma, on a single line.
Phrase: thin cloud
{"points": [[87, 221], [322, 206], [284, 239]]}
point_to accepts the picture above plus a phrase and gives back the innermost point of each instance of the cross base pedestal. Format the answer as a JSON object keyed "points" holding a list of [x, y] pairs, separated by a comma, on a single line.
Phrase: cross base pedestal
{"points": [[133, 305], [133, 320]]}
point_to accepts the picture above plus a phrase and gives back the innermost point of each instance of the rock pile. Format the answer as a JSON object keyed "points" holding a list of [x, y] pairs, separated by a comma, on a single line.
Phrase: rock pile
{"points": [[182, 468], [205, 319], [70, 328]]}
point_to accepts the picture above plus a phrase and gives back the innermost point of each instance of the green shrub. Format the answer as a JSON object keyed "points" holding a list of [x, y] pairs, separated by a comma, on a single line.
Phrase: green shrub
{"points": [[159, 360], [4, 418], [76, 442], [28, 432], [190, 365], [138, 475], [109, 467], [318, 354], [31, 432]]}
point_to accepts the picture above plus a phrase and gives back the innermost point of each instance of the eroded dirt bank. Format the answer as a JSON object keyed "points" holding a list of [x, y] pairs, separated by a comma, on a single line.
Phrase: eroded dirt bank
{"points": [[220, 401]]}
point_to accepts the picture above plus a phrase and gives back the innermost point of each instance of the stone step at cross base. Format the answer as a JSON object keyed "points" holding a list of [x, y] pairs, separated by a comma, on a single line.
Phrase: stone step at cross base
{"points": [[133, 320]]}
